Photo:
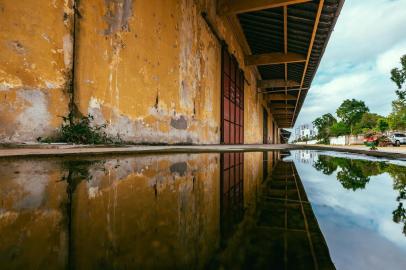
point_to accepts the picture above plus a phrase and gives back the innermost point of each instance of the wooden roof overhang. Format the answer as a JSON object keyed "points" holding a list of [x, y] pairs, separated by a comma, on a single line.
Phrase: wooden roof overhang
{"points": [[286, 40]]}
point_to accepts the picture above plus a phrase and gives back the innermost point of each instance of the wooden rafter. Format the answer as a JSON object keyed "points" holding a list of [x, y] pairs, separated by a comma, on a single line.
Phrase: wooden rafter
{"points": [[277, 83], [273, 59], [282, 114], [282, 117], [309, 52], [282, 97], [228, 7], [281, 106], [284, 110], [285, 39]]}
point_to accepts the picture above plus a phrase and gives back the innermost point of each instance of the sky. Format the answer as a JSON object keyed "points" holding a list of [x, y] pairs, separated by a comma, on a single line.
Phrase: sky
{"points": [[368, 41]]}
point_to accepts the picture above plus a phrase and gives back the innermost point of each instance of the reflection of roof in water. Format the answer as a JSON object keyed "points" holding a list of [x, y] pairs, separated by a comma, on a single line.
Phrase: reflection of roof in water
{"points": [[287, 220]]}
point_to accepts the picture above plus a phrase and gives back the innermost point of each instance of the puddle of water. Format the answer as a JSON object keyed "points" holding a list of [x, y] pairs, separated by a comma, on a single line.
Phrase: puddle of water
{"points": [[298, 210]]}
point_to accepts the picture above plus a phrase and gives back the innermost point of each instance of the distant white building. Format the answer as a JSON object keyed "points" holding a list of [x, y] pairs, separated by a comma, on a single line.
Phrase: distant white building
{"points": [[305, 131]]}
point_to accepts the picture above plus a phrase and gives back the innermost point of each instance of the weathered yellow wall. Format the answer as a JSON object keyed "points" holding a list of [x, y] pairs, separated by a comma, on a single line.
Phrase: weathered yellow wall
{"points": [[35, 65], [150, 70], [153, 74]]}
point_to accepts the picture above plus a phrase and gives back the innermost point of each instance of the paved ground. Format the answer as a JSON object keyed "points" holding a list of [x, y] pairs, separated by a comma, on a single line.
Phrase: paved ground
{"points": [[36, 150], [69, 150], [389, 152]]}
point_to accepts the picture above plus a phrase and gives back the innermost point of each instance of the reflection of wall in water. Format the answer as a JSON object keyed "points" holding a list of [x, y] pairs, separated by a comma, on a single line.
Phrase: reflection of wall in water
{"points": [[32, 201], [142, 212], [148, 212]]}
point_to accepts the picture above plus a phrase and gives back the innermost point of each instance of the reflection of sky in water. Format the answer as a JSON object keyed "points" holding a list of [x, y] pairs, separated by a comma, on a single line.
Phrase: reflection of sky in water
{"points": [[357, 225]]}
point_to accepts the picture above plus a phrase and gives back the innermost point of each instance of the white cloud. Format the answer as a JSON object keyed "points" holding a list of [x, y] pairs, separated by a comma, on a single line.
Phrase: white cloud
{"points": [[367, 43], [390, 58]]}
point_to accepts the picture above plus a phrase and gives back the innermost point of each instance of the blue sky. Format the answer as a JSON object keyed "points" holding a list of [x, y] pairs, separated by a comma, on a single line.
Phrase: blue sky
{"points": [[368, 40]]}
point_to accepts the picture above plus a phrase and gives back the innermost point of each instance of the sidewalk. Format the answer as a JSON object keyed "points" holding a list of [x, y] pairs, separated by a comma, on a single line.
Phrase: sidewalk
{"points": [[61, 150], [388, 152], [38, 150]]}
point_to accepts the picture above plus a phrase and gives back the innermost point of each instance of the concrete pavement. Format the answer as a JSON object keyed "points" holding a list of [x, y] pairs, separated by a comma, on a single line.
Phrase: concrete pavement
{"points": [[74, 150], [61, 150]]}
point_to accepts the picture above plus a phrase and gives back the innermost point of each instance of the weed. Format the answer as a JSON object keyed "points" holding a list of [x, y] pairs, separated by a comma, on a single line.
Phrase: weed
{"points": [[80, 130]]}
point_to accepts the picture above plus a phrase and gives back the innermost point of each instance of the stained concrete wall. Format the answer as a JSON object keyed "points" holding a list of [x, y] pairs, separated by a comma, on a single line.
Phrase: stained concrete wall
{"points": [[150, 70], [35, 67]]}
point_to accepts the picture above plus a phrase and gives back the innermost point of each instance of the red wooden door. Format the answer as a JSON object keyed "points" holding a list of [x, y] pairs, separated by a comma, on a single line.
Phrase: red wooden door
{"points": [[232, 100]]}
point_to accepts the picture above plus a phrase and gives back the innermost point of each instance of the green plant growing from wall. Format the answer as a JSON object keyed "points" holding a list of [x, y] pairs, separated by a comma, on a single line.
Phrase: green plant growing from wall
{"points": [[81, 130]]}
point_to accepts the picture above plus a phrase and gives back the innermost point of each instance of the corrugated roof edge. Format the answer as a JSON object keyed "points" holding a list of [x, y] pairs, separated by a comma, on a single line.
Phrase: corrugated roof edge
{"points": [[337, 14]]}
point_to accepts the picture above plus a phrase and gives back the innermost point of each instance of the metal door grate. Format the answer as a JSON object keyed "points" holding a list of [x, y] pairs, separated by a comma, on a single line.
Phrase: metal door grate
{"points": [[232, 100]]}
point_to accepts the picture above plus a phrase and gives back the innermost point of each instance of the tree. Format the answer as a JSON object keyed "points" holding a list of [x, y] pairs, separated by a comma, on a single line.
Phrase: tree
{"points": [[339, 129], [323, 125], [351, 111], [397, 119], [368, 122], [382, 124], [399, 77]]}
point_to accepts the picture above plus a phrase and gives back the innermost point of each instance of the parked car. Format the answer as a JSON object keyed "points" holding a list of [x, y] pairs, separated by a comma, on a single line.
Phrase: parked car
{"points": [[398, 138]]}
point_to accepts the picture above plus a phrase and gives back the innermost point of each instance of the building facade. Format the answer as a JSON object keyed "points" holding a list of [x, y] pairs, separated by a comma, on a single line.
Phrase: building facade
{"points": [[176, 71], [305, 131]]}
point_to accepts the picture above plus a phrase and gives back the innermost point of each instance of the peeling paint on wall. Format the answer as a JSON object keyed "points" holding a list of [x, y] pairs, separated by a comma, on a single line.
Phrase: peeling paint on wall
{"points": [[117, 15], [151, 74], [35, 65]]}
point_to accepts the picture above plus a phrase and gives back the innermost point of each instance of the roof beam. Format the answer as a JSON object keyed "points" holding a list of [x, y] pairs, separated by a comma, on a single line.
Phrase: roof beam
{"points": [[228, 7], [282, 118], [279, 115], [281, 106], [309, 52], [279, 111], [273, 59], [277, 83], [285, 41], [280, 97]]}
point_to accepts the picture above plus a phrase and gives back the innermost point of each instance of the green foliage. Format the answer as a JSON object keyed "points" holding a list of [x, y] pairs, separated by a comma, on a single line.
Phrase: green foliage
{"points": [[382, 124], [398, 76], [326, 165], [368, 122], [81, 130], [323, 125], [351, 111], [397, 119], [373, 147], [339, 129]]}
